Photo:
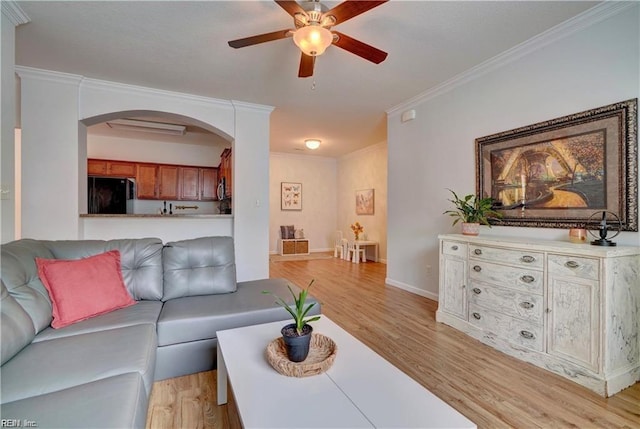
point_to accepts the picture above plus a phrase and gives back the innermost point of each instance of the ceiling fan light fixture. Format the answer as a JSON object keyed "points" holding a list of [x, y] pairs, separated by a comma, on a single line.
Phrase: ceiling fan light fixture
{"points": [[312, 144], [312, 39]]}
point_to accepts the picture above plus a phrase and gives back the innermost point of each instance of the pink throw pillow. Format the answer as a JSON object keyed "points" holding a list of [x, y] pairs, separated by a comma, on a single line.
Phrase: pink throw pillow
{"points": [[84, 288]]}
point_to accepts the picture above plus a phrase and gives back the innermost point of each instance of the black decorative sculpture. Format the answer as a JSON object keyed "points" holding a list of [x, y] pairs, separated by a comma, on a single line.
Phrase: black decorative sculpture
{"points": [[604, 228]]}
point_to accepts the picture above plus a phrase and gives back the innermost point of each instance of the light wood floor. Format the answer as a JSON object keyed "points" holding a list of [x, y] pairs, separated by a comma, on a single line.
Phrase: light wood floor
{"points": [[488, 387]]}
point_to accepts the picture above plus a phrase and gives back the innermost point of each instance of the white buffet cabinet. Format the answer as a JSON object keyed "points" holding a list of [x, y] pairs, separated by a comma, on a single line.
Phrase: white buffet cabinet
{"points": [[573, 309]]}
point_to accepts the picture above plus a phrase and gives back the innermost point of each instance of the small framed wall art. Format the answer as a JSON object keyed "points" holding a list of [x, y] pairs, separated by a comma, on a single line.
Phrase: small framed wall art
{"points": [[290, 196], [365, 202]]}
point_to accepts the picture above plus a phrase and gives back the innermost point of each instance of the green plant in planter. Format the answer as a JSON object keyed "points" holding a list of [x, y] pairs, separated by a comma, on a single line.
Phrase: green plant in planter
{"points": [[300, 311], [296, 338], [471, 209]]}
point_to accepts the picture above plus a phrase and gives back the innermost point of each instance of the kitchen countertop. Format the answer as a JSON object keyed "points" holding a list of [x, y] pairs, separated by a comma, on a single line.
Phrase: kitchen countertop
{"points": [[176, 216]]}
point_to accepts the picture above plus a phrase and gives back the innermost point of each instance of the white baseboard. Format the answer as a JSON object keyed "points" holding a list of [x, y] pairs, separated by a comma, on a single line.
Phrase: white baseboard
{"points": [[412, 289]]}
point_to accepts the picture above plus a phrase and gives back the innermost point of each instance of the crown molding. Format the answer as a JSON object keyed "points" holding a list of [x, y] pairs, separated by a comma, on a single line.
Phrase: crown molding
{"points": [[104, 85], [14, 12], [48, 75], [579, 22], [242, 105], [365, 150], [318, 158]]}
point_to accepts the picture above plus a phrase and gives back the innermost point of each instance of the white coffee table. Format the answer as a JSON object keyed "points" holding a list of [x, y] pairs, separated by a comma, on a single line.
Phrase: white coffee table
{"points": [[361, 389]]}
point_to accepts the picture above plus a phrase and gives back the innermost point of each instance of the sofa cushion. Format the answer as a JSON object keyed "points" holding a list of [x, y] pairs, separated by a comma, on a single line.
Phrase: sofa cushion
{"points": [[49, 366], [141, 313], [197, 318], [16, 328], [140, 258], [114, 402], [84, 288], [201, 266], [20, 276]]}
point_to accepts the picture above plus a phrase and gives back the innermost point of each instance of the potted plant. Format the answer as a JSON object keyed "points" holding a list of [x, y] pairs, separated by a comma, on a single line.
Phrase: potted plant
{"points": [[472, 211], [297, 335]]}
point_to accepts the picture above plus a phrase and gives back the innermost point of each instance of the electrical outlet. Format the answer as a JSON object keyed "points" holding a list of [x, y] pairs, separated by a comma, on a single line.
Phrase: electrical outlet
{"points": [[429, 269], [5, 193]]}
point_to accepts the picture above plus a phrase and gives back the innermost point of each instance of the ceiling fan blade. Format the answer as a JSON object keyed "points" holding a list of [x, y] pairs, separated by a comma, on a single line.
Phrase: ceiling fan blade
{"points": [[306, 65], [261, 38], [351, 8], [359, 48], [291, 7]]}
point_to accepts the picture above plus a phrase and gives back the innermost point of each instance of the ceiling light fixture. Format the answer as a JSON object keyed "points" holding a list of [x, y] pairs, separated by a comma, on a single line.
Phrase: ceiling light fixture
{"points": [[147, 126], [312, 144], [312, 39]]}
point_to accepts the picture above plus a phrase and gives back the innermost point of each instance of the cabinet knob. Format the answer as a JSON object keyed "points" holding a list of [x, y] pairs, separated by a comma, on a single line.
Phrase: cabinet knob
{"points": [[477, 268], [478, 251], [476, 316], [528, 259], [526, 305], [476, 291], [528, 335], [571, 264], [527, 279], [454, 247]]}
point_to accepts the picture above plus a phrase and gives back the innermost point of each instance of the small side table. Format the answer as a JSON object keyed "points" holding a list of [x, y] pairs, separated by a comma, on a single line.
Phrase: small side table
{"points": [[294, 246]]}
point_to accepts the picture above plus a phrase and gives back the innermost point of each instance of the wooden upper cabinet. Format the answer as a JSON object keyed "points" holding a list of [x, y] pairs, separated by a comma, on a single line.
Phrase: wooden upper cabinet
{"points": [[208, 184], [104, 167], [161, 181], [122, 168], [198, 183], [147, 181], [168, 181], [189, 183], [96, 167]]}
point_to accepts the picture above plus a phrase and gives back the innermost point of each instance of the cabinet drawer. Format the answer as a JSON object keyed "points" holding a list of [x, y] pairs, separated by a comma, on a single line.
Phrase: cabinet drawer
{"points": [[520, 258], [515, 331], [564, 265], [501, 275], [507, 301], [454, 248]]}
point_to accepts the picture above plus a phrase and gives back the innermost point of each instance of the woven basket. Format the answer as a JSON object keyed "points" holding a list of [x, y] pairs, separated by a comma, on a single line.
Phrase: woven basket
{"points": [[322, 353]]}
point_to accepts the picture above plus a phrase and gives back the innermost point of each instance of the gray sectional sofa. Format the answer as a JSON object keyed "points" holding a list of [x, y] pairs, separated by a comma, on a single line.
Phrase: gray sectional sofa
{"points": [[99, 372]]}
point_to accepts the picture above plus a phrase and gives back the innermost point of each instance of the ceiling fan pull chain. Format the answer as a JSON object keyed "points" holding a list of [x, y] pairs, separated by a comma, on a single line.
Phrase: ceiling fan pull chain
{"points": [[313, 85]]}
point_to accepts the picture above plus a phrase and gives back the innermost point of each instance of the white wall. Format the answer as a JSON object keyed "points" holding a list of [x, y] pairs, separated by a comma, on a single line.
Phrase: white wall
{"points": [[150, 150], [364, 169], [55, 109], [319, 203], [587, 68], [7, 125]]}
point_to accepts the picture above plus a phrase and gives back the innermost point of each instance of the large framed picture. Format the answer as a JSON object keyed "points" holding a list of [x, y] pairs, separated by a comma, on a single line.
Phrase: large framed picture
{"points": [[290, 196], [558, 173]]}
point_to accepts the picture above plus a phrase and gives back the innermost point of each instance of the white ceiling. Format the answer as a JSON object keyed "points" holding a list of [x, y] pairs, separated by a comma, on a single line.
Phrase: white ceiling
{"points": [[182, 46]]}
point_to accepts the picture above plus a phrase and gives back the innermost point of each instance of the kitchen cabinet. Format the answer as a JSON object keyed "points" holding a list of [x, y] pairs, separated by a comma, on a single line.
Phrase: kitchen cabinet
{"points": [[102, 167], [198, 183], [168, 182], [208, 184], [162, 181], [570, 309], [189, 183], [147, 181], [225, 171]]}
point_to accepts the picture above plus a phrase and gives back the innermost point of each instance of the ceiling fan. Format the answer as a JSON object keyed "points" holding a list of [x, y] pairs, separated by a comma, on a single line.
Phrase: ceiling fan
{"points": [[312, 34]]}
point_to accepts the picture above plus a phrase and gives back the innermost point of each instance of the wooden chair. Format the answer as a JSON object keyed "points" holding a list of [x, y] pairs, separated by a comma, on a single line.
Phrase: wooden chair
{"points": [[338, 246], [351, 253]]}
